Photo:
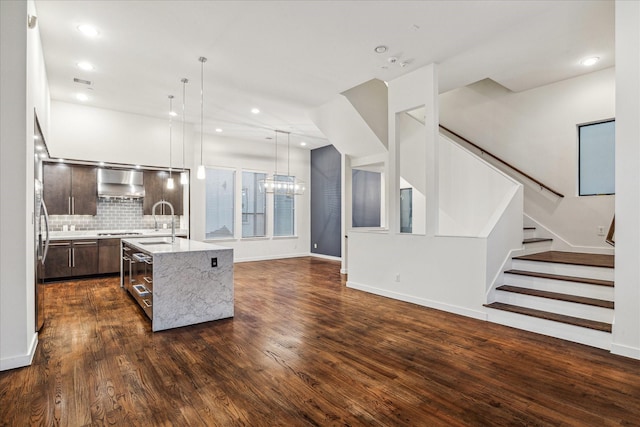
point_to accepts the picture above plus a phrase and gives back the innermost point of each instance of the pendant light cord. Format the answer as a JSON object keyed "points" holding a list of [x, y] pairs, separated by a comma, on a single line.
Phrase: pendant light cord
{"points": [[184, 85], [202, 60], [170, 132]]}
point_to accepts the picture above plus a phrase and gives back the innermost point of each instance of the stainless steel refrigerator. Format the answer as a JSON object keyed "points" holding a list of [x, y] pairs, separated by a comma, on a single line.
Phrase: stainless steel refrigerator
{"points": [[41, 224]]}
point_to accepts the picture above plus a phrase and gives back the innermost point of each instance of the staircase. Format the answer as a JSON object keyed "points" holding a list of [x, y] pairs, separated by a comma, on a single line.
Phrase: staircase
{"points": [[567, 295]]}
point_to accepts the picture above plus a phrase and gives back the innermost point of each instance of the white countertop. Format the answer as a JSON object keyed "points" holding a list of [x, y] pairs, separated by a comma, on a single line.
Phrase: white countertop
{"points": [[111, 234], [163, 245]]}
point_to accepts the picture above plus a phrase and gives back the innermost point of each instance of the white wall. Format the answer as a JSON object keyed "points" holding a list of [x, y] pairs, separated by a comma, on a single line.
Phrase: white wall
{"points": [[535, 130], [24, 90], [82, 132], [86, 133], [252, 156], [626, 326]]}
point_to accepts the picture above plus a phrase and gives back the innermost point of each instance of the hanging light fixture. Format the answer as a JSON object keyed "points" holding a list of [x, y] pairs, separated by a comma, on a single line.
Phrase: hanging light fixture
{"points": [[288, 185], [294, 186], [184, 179], [268, 185], [170, 180], [201, 174]]}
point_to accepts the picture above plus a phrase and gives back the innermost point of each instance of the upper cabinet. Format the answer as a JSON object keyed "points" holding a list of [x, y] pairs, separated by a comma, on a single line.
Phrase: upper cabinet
{"points": [[70, 189], [155, 189]]}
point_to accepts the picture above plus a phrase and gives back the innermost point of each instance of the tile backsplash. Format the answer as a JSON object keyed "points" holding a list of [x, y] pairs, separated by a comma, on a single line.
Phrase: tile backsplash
{"points": [[112, 214]]}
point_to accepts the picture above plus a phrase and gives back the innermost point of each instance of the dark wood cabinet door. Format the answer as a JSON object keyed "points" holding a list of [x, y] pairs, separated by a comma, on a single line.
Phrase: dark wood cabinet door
{"points": [[174, 197], [58, 262], [153, 181], [84, 190], [84, 257], [57, 188], [109, 256]]}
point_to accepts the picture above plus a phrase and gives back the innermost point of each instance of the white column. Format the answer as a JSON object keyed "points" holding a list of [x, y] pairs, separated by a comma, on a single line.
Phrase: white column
{"points": [[626, 327]]}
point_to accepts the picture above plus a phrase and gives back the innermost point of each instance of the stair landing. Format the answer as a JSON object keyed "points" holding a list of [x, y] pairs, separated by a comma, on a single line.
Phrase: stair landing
{"points": [[574, 258]]}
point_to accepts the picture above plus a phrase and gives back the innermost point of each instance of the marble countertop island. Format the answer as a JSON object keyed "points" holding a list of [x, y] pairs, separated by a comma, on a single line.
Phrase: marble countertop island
{"points": [[180, 283]]}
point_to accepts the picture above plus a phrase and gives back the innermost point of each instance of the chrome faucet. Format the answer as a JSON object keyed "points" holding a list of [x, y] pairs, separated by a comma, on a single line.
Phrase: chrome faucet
{"points": [[173, 224]]}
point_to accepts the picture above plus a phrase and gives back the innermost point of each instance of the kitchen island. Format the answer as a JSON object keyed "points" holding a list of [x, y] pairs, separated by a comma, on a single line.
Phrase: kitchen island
{"points": [[180, 283]]}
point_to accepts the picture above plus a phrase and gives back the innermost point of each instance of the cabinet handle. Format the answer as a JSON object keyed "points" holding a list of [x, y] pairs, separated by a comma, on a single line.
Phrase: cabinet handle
{"points": [[147, 279], [69, 210], [58, 244], [85, 243], [146, 303], [69, 258], [73, 257], [73, 205]]}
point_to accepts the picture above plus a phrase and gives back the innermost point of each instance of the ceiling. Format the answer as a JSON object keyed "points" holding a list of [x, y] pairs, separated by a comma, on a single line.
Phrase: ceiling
{"points": [[288, 57]]}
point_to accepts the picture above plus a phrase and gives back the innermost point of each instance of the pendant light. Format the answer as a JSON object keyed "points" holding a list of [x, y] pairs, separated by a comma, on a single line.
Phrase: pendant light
{"points": [[184, 179], [201, 174], [295, 187], [171, 113], [268, 185]]}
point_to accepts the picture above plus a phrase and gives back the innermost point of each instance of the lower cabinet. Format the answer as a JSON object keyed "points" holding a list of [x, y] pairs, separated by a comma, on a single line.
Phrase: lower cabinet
{"points": [[71, 258], [108, 256]]}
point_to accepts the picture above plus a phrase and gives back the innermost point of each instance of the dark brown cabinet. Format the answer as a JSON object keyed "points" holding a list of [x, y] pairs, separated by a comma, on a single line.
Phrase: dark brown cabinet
{"points": [[108, 256], [70, 258], [70, 189], [155, 189]]}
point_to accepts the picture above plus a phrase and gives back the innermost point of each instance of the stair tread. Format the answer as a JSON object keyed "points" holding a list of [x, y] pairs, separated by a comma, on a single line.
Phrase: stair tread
{"points": [[557, 296], [574, 258], [529, 228], [586, 280], [576, 321], [536, 240]]}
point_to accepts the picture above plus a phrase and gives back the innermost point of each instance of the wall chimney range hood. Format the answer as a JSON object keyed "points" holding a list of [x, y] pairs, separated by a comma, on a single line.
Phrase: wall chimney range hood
{"points": [[120, 184]]}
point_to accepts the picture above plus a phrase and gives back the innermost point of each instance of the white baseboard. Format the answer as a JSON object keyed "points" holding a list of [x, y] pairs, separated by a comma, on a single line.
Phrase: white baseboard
{"points": [[343, 271], [480, 315], [623, 350], [22, 360], [270, 257], [329, 257]]}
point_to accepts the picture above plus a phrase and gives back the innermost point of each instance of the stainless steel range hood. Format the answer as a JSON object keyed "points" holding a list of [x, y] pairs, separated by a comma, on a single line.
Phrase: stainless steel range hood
{"points": [[122, 184]]}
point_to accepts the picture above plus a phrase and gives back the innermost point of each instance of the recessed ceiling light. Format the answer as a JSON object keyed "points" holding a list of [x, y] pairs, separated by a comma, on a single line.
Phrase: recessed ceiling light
{"points": [[380, 49], [303, 143], [88, 30], [255, 110], [85, 66], [82, 97], [173, 113], [218, 130], [587, 62]]}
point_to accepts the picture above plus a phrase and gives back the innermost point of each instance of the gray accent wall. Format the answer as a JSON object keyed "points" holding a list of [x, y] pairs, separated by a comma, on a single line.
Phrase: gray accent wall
{"points": [[326, 201]]}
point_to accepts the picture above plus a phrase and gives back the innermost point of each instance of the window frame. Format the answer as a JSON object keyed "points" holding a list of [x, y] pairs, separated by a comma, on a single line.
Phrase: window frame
{"points": [[266, 205], [579, 155], [294, 228], [233, 203]]}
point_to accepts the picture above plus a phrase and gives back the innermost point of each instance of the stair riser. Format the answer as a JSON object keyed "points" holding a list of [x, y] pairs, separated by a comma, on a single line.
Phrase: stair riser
{"points": [[529, 234], [564, 269], [560, 286], [550, 328], [566, 308]]}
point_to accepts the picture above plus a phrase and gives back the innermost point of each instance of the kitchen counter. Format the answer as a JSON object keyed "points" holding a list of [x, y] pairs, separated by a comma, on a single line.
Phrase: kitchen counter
{"points": [[114, 234], [180, 283]]}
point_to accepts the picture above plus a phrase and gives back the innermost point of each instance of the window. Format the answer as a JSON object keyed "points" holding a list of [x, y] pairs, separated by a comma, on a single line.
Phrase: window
{"points": [[283, 210], [253, 205], [220, 204], [365, 199], [596, 149]]}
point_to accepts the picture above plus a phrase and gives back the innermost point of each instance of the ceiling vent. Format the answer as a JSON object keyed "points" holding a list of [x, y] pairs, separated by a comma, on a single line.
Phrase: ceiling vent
{"points": [[80, 81]]}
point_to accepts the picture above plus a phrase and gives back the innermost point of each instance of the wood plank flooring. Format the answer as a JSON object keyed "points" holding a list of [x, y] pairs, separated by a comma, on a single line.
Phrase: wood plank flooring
{"points": [[304, 350]]}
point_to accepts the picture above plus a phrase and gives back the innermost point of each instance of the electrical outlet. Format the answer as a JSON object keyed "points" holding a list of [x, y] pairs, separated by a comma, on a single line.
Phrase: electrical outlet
{"points": [[315, 246], [601, 230], [214, 262]]}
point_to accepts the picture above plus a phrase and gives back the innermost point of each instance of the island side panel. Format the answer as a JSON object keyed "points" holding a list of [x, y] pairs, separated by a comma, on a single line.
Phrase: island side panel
{"points": [[187, 290]]}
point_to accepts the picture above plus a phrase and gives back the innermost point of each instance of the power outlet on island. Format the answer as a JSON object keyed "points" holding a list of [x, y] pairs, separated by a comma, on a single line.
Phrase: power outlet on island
{"points": [[214, 262]]}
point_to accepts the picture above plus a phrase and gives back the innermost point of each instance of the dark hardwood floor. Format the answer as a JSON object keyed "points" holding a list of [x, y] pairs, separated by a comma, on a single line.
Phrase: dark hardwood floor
{"points": [[305, 350]]}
